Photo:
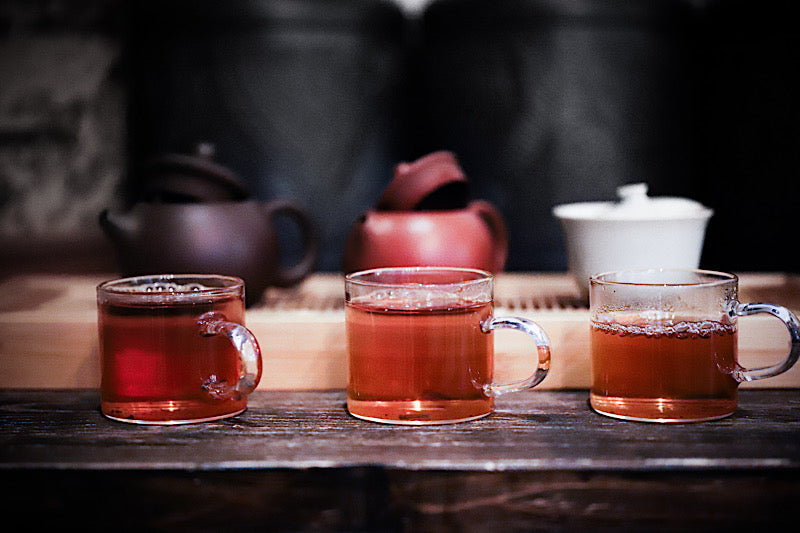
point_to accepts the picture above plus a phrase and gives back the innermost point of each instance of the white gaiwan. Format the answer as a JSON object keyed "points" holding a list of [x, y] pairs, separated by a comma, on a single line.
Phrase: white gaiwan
{"points": [[636, 232]]}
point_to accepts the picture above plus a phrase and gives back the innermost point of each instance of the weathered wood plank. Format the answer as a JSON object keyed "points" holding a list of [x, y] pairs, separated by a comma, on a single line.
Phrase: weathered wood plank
{"points": [[373, 499], [538, 430], [297, 461]]}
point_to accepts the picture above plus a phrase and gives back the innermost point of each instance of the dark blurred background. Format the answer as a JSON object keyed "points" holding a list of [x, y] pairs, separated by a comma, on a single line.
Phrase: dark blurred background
{"points": [[543, 101]]}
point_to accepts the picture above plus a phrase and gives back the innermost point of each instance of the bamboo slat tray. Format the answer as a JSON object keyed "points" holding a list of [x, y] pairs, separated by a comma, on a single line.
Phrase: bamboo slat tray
{"points": [[48, 335]]}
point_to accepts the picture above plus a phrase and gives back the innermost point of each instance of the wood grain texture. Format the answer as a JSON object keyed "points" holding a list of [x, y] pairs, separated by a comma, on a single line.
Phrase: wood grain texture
{"points": [[296, 461], [535, 430]]}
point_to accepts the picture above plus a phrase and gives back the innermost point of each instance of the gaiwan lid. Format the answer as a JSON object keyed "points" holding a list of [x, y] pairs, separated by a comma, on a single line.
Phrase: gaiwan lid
{"points": [[434, 181], [633, 205]]}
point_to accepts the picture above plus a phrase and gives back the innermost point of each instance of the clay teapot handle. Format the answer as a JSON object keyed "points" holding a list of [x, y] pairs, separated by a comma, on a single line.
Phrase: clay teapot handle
{"points": [[497, 228], [286, 277]]}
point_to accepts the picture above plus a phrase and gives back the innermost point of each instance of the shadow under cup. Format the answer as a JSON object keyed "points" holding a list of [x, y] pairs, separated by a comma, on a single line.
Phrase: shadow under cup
{"points": [[664, 344], [174, 349]]}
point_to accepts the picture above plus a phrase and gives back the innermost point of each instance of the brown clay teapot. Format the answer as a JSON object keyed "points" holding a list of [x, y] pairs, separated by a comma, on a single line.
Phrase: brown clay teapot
{"points": [[424, 218], [215, 231]]}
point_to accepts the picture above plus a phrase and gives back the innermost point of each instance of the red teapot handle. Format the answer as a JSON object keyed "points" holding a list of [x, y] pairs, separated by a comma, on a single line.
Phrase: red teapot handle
{"points": [[286, 277], [497, 228]]}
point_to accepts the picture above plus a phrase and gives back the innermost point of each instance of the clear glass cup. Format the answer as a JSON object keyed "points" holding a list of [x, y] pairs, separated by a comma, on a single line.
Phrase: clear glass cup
{"points": [[421, 348], [664, 344], [174, 349]]}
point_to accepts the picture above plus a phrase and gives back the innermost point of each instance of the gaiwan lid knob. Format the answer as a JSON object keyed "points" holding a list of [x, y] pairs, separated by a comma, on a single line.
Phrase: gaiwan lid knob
{"points": [[434, 181]]}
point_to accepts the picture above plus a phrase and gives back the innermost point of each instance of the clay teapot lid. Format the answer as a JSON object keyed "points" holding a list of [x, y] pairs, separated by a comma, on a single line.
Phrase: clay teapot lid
{"points": [[191, 178], [432, 181]]}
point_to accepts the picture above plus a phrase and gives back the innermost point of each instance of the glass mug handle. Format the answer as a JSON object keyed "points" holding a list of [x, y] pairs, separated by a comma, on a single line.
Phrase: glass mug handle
{"points": [[542, 343], [249, 353], [791, 323]]}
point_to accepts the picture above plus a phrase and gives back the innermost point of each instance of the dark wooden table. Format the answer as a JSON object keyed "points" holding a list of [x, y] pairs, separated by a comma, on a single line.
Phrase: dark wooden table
{"points": [[296, 461]]}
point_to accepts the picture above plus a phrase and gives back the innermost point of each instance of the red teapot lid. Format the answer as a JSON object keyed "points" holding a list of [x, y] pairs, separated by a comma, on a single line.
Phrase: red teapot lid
{"points": [[415, 183]]}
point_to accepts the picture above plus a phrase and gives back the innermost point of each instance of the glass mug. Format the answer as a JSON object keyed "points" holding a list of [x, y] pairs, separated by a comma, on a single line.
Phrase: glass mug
{"points": [[174, 349], [420, 345], [664, 344]]}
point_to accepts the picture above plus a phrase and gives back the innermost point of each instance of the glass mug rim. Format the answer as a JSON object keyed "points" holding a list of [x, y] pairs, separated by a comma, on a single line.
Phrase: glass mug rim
{"points": [[706, 278], [132, 291], [370, 277]]}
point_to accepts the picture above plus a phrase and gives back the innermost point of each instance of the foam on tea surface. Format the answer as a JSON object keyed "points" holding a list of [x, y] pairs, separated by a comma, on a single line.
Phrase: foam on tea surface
{"points": [[655, 323], [167, 287], [679, 330]]}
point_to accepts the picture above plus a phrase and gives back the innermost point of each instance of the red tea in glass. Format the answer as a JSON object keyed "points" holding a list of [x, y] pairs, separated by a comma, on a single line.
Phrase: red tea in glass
{"points": [[165, 355], [676, 370], [420, 348], [664, 344], [420, 365]]}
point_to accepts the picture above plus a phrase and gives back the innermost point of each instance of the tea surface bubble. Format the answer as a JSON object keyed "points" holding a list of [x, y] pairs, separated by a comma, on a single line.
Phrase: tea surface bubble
{"points": [[680, 329], [166, 287]]}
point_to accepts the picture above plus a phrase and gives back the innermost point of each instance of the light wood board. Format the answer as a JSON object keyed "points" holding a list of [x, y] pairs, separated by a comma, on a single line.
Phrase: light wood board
{"points": [[48, 331]]}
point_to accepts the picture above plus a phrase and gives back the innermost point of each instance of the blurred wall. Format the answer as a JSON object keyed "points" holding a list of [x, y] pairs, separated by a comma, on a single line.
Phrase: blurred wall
{"points": [[62, 131], [544, 102]]}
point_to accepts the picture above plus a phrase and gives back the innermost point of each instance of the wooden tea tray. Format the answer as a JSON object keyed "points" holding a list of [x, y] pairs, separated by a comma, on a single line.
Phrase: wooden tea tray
{"points": [[48, 331]]}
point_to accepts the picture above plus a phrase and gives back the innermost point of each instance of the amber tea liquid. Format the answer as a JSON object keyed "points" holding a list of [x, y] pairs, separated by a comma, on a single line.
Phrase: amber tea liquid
{"points": [[410, 365], [670, 371], [155, 362]]}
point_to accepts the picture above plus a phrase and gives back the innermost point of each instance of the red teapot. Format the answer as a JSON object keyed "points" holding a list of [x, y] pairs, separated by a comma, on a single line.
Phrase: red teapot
{"points": [[424, 218]]}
